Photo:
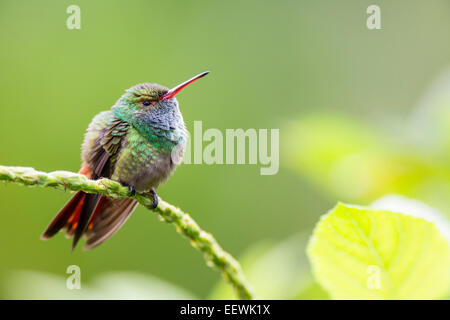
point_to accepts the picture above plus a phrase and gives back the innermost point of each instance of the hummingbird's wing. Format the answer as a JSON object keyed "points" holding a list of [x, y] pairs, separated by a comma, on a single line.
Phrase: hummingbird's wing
{"points": [[97, 217], [110, 214], [106, 148], [101, 161]]}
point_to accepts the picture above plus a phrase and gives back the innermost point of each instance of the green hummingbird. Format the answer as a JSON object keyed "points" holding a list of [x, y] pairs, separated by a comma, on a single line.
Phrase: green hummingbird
{"points": [[139, 143]]}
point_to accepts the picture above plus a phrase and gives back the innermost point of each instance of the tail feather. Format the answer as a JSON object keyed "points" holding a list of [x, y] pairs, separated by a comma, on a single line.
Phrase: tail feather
{"points": [[98, 217], [72, 223], [65, 216], [89, 205], [111, 216]]}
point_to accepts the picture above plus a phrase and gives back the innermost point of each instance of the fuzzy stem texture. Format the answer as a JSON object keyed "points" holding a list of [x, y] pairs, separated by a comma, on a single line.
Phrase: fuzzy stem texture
{"points": [[203, 241]]}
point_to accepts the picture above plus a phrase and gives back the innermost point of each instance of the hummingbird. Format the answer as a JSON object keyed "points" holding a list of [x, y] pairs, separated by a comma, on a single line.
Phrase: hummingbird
{"points": [[138, 142]]}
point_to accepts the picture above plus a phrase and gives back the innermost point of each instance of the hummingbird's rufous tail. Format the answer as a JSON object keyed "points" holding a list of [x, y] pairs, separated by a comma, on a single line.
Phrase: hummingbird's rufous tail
{"points": [[67, 217], [103, 219], [95, 216]]}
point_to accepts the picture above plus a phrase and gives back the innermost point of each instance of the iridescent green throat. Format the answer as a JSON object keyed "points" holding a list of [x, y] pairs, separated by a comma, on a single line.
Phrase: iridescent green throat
{"points": [[155, 133]]}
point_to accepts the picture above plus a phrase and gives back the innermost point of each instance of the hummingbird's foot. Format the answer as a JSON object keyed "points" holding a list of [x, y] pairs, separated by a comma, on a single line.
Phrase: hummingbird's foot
{"points": [[155, 198], [132, 191]]}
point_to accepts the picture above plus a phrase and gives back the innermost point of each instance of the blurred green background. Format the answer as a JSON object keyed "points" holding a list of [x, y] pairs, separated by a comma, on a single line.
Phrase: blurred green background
{"points": [[361, 114]]}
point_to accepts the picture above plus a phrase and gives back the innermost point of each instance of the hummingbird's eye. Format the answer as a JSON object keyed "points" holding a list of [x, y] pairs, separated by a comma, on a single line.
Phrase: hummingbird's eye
{"points": [[146, 103]]}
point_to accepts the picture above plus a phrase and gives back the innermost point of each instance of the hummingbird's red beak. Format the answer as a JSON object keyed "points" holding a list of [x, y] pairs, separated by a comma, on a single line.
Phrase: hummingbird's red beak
{"points": [[172, 92]]}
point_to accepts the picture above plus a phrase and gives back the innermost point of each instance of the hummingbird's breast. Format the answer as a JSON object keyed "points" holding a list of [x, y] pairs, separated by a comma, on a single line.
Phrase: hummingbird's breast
{"points": [[143, 151], [144, 163]]}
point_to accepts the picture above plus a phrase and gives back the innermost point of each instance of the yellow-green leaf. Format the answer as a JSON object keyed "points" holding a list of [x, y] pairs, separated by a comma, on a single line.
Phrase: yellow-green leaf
{"points": [[360, 253]]}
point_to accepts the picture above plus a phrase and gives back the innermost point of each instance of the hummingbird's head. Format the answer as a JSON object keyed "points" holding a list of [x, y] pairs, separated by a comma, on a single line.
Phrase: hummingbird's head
{"points": [[146, 99], [143, 96]]}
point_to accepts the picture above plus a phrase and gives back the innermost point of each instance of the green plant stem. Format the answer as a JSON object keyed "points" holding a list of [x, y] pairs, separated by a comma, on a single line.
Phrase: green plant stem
{"points": [[203, 241]]}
